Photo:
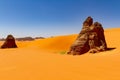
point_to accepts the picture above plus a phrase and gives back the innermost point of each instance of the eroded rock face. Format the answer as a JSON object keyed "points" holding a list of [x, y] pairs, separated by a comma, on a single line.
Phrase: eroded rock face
{"points": [[91, 38], [9, 42], [97, 40]]}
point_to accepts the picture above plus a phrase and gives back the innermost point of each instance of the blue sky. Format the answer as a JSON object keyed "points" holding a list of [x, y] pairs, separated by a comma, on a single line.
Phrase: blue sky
{"points": [[54, 17]]}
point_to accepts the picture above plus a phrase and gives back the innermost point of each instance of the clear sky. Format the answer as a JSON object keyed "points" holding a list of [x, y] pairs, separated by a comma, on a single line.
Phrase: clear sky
{"points": [[54, 17]]}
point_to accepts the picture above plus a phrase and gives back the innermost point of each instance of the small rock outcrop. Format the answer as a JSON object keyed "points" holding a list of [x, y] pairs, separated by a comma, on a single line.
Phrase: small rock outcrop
{"points": [[9, 42], [91, 38], [25, 39]]}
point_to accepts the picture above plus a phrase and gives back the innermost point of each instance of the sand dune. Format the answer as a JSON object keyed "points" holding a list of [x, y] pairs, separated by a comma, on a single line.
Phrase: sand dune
{"points": [[41, 60]]}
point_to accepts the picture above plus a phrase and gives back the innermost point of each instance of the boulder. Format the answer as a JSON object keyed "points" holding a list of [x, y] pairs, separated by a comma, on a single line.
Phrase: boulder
{"points": [[9, 42]]}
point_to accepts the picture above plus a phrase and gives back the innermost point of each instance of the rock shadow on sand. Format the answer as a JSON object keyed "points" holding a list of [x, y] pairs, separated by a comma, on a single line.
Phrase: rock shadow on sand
{"points": [[109, 49]]}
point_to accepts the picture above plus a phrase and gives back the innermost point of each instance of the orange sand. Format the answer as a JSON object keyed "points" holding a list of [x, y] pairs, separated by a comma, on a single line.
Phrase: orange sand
{"points": [[41, 60]]}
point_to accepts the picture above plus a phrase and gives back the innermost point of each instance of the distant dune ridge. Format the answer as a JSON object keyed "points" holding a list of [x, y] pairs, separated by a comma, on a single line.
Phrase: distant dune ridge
{"points": [[25, 39], [28, 38], [91, 38]]}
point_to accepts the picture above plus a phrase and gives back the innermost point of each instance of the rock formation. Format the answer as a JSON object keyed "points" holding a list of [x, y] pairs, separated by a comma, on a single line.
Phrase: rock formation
{"points": [[25, 39], [9, 42], [91, 38]]}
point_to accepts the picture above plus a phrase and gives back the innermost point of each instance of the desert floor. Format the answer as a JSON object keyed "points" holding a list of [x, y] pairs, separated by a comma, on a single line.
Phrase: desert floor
{"points": [[44, 60]]}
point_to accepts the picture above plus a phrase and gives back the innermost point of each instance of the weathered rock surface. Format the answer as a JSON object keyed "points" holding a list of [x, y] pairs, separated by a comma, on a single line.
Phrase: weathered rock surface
{"points": [[91, 38], [9, 42]]}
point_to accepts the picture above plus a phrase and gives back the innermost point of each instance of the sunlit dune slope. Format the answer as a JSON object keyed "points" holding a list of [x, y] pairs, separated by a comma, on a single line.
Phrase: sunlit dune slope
{"points": [[55, 43], [33, 60], [64, 42]]}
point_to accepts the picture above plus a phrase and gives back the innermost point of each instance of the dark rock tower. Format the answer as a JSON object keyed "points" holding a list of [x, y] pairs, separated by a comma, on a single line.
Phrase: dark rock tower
{"points": [[91, 38], [9, 42]]}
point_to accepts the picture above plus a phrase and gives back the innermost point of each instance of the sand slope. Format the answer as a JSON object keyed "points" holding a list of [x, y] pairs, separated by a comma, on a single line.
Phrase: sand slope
{"points": [[41, 60]]}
